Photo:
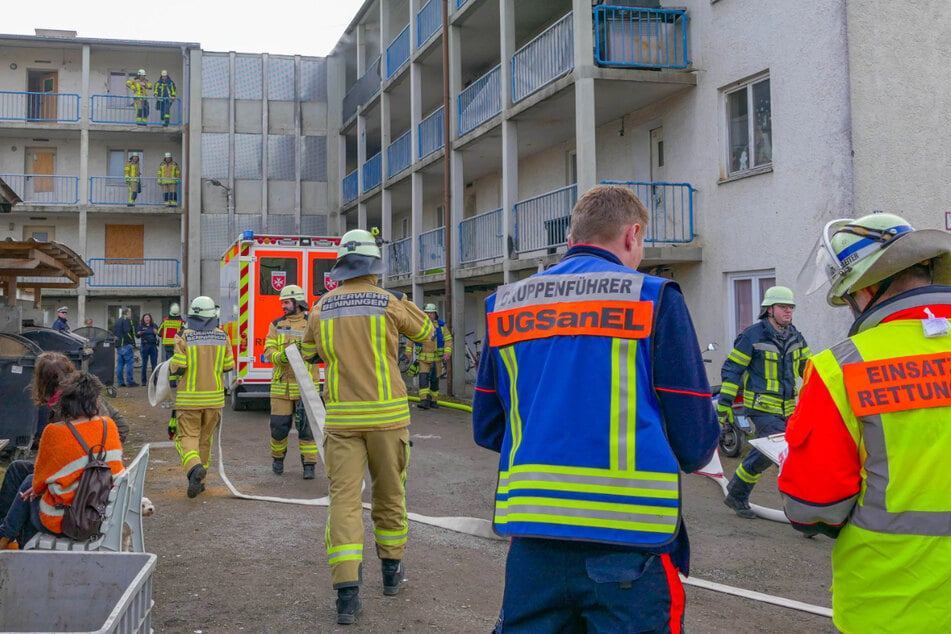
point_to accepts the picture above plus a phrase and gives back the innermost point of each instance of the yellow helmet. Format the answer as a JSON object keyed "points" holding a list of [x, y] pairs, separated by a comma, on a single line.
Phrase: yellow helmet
{"points": [[358, 254], [296, 293]]}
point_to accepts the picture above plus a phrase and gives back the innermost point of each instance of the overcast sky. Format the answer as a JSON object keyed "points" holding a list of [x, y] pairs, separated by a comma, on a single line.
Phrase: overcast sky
{"points": [[304, 27]]}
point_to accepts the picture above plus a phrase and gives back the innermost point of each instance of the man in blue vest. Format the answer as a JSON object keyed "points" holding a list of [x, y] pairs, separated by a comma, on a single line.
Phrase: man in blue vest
{"points": [[589, 485]]}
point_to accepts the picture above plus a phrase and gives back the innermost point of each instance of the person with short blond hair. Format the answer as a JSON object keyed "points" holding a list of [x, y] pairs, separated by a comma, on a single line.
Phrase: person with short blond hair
{"points": [[602, 210]]}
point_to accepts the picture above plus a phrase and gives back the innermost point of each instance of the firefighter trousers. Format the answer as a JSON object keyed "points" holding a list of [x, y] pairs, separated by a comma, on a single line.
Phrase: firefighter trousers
{"points": [[348, 455], [284, 413], [196, 430]]}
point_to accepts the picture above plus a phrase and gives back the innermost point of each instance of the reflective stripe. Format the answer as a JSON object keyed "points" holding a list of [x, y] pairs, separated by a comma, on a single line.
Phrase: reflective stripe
{"points": [[654, 519], [391, 538], [739, 357], [832, 514], [515, 417], [346, 552], [623, 412], [378, 343], [369, 413], [585, 480], [332, 377]]}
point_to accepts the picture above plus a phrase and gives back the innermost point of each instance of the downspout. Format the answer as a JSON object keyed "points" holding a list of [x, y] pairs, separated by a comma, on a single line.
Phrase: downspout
{"points": [[447, 178]]}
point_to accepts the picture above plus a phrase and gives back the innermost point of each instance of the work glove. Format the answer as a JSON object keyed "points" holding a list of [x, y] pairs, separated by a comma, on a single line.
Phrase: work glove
{"points": [[172, 427], [413, 369], [724, 414]]}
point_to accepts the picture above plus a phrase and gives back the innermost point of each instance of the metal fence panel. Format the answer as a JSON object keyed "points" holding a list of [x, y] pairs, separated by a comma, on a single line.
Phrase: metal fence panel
{"points": [[481, 237], [428, 21], [43, 189], [113, 190], [431, 133], [399, 155], [397, 53], [670, 206], [399, 258], [351, 186], [481, 101], [132, 272], [432, 251], [362, 89], [640, 38], [38, 106], [373, 172], [113, 109], [543, 60], [542, 222]]}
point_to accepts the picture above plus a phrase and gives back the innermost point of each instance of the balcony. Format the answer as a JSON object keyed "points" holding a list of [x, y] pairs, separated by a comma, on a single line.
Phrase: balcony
{"points": [[399, 262], [431, 133], [112, 109], [399, 155], [461, 3], [133, 273], [39, 106], [397, 53], [671, 210], [640, 38], [543, 60], [351, 187], [428, 21], [481, 101], [481, 237], [432, 252], [43, 189], [373, 172], [362, 90], [541, 222], [113, 190]]}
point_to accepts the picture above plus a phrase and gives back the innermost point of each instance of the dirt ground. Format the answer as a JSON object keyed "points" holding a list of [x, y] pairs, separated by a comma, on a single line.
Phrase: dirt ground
{"points": [[233, 565]]}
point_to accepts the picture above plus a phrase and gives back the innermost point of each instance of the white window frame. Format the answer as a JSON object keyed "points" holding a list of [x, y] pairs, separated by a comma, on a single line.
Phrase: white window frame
{"points": [[757, 289], [753, 164]]}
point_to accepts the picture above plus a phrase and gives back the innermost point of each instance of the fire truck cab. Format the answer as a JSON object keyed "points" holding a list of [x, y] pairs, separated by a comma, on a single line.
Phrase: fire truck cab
{"points": [[253, 271]]}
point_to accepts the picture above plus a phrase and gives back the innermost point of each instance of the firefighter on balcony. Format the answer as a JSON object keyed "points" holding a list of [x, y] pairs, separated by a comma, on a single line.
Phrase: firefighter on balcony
{"points": [[133, 178], [140, 87], [283, 332], [355, 329], [165, 91], [202, 355], [432, 355], [870, 439], [169, 177], [767, 359]]}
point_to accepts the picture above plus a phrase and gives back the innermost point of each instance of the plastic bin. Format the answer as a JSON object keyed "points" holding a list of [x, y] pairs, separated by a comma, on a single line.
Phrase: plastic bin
{"points": [[102, 362], [75, 592], [73, 346], [18, 412]]}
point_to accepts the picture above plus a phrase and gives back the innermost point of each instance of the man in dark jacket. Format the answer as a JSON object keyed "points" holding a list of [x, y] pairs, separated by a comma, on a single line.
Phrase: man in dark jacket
{"points": [[124, 331], [60, 323]]}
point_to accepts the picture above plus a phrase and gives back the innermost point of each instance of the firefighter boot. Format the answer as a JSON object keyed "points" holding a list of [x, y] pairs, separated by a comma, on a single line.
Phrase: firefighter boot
{"points": [[277, 466], [195, 480], [348, 605], [423, 403], [308, 469], [393, 571], [738, 498]]}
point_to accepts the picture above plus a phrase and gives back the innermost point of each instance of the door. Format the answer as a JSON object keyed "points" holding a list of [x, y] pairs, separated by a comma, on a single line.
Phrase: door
{"points": [[41, 164], [657, 205], [41, 107]]}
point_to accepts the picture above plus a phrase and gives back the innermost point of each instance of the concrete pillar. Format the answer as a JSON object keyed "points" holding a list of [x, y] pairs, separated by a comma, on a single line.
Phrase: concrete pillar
{"points": [[386, 211], [509, 194], [458, 325], [584, 96], [361, 149], [417, 224], [416, 107], [385, 37], [361, 50]]}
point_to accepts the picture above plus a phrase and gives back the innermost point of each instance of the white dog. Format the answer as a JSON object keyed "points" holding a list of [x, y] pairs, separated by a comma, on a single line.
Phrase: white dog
{"points": [[148, 509]]}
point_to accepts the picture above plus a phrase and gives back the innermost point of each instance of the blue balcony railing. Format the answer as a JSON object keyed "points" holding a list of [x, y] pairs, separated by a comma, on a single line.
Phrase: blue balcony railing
{"points": [[432, 252], [431, 133], [399, 155], [481, 237], [428, 21], [397, 53], [41, 189], [134, 272], [114, 190], [351, 187], [541, 222], [126, 110], [39, 106], [399, 260], [362, 90], [481, 101], [640, 38], [461, 3], [373, 172], [671, 209], [543, 60]]}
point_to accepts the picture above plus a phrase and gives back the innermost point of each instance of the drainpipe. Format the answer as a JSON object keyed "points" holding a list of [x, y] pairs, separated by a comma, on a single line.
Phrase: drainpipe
{"points": [[447, 178]]}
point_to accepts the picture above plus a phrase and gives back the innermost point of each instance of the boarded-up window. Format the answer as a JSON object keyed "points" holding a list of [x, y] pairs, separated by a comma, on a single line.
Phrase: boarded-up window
{"points": [[126, 242]]}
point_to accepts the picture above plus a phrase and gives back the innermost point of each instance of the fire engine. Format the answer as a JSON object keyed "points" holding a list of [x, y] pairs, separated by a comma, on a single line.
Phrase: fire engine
{"points": [[253, 271]]}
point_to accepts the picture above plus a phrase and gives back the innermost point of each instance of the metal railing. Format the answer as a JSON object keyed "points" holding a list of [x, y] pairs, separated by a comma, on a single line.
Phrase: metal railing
{"points": [[432, 252], [481, 101], [373, 172], [38, 106], [428, 21], [670, 206], [114, 190], [44, 189], [542, 221], [399, 258], [399, 155], [640, 38], [351, 187], [397, 53], [134, 272], [128, 110], [543, 60], [431, 133], [481, 237], [461, 3], [362, 89]]}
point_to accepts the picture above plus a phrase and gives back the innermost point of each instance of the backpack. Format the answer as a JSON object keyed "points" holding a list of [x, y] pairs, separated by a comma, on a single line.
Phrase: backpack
{"points": [[83, 518]]}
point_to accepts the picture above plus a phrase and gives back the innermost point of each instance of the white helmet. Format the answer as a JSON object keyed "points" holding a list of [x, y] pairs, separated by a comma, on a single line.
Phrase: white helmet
{"points": [[174, 310], [203, 306], [358, 254], [141, 72], [168, 155]]}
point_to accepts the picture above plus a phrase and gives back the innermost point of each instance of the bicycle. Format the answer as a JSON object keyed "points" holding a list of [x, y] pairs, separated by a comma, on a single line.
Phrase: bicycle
{"points": [[472, 358]]}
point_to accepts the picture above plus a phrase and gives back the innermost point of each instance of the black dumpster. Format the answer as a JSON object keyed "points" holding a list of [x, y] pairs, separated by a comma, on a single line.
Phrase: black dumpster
{"points": [[18, 413], [102, 363], [75, 347]]}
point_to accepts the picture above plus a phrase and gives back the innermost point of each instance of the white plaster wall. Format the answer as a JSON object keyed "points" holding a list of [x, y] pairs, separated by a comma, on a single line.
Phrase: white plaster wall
{"points": [[66, 60], [102, 63], [15, 161]]}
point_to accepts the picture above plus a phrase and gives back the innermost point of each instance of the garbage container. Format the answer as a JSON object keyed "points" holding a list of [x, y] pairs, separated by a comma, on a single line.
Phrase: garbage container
{"points": [[102, 362], [18, 412], [76, 591], [73, 346]]}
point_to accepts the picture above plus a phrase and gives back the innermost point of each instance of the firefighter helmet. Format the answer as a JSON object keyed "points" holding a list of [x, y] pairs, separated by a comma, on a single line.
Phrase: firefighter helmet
{"points": [[168, 155], [164, 73], [203, 306], [429, 308], [358, 254], [141, 72], [776, 295], [175, 310]]}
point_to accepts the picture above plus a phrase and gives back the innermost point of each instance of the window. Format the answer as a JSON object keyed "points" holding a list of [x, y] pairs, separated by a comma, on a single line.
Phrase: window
{"points": [[276, 273], [749, 126], [40, 233], [746, 295]]}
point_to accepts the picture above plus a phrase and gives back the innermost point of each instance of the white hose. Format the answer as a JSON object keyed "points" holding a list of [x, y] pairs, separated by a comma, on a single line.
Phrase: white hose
{"points": [[714, 471]]}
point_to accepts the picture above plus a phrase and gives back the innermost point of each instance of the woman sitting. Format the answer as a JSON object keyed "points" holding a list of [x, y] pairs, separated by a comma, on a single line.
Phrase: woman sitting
{"points": [[60, 459]]}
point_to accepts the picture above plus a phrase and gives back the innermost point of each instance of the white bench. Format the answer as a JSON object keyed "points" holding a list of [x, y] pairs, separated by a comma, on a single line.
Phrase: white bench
{"points": [[124, 508]]}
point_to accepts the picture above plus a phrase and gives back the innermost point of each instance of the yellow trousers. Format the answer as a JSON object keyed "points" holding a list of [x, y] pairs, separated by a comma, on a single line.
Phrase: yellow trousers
{"points": [[196, 430]]}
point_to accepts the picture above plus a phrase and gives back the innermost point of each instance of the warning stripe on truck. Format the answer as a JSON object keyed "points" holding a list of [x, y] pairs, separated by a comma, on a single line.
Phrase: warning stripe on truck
{"points": [[243, 285]]}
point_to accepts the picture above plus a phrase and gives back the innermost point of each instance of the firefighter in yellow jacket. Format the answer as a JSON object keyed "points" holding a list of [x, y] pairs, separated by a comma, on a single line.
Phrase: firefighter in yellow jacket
{"points": [[169, 176], [140, 87], [433, 355], [202, 355], [133, 174], [286, 331], [355, 329]]}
